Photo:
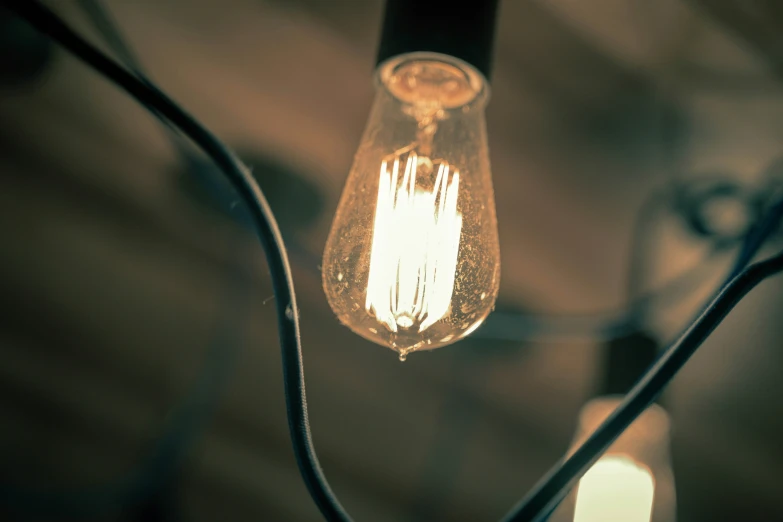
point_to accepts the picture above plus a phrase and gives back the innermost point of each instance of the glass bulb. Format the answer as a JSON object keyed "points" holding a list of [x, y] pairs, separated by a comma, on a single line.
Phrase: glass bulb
{"points": [[616, 488], [412, 260], [633, 481]]}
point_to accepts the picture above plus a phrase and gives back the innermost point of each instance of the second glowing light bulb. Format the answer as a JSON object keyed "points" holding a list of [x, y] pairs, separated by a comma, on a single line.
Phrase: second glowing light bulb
{"points": [[633, 481], [412, 260]]}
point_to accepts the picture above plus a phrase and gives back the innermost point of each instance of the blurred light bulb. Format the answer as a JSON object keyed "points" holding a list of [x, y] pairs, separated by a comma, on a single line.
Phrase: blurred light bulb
{"points": [[615, 489], [633, 480], [412, 260]]}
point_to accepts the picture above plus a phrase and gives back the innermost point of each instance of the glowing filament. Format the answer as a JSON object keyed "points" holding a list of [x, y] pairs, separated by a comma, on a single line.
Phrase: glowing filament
{"points": [[416, 234], [615, 489]]}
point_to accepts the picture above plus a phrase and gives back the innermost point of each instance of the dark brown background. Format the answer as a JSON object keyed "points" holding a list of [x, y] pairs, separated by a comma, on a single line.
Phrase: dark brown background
{"points": [[116, 274]]}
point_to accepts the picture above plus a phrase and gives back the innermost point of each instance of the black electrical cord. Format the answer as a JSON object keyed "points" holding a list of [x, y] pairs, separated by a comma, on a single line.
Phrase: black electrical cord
{"points": [[553, 487], [185, 421], [47, 22], [539, 503]]}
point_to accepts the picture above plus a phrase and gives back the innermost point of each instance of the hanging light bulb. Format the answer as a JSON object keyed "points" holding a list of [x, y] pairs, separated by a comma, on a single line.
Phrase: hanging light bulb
{"points": [[412, 259], [633, 480]]}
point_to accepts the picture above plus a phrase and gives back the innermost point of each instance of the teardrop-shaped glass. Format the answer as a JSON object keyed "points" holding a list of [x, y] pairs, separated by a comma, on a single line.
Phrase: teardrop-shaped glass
{"points": [[412, 260]]}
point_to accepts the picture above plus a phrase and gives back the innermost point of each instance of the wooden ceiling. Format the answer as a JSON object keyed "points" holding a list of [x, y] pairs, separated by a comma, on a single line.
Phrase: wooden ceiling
{"points": [[121, 287]]}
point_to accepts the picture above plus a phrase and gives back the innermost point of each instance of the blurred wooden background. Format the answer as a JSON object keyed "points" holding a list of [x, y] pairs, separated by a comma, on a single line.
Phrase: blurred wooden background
{"points": [[118, 279]]}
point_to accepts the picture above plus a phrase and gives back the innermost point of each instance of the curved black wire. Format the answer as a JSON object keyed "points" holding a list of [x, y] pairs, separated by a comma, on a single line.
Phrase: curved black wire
{"points": [[539, 503], [182, 426], [48, 23], [190, 416], [554, 486]]}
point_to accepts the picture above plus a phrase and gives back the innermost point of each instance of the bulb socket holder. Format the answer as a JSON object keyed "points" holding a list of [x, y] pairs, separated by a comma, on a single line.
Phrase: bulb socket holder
{"points": [[463, 29]]}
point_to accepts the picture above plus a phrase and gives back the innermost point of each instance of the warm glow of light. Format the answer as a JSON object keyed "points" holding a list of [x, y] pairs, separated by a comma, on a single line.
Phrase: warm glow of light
{"points": [[615, 489], [413, 260]]}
